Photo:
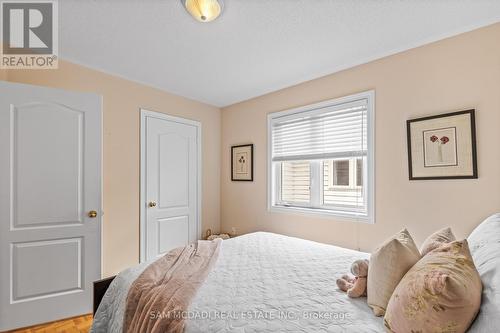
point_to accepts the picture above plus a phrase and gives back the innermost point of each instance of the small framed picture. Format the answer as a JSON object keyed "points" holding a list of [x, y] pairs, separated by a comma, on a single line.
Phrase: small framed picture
{"points": [[442, 146], [242, 163]]}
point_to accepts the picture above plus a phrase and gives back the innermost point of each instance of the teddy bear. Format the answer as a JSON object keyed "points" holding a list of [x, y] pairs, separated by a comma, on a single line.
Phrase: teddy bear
{"points": [[355, 286]]}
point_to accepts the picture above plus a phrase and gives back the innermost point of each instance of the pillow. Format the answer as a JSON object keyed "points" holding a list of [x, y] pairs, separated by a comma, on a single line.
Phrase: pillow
{"points": [[484, 244], [441, 293], [437, 239], [387, 266]]}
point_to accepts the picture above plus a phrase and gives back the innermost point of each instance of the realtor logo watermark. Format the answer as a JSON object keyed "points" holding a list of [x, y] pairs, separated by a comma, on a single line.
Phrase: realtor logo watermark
{"points": [[29, 34]]}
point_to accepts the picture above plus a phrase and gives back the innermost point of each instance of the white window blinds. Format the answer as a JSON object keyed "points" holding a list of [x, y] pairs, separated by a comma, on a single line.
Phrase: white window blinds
{"points": [[325, 133]]}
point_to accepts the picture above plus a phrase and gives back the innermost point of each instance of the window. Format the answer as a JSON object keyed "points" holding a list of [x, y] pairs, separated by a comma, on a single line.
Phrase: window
{"points": [[321, 158]]}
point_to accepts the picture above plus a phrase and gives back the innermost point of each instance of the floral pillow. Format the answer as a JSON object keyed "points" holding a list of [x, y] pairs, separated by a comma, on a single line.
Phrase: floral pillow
{"points": [[437, 239], [441, 293]]}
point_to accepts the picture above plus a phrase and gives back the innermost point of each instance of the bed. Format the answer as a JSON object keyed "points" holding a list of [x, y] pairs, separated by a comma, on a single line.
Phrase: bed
{"points": [[264, 282]]}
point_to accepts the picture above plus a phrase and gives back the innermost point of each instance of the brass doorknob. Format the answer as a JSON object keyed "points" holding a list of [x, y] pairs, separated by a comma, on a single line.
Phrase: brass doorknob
{"points": [[152, 204], [92, 214]]}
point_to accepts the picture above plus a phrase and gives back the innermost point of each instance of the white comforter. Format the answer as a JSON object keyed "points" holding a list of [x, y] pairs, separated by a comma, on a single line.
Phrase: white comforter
{"points": [[263, 282]]}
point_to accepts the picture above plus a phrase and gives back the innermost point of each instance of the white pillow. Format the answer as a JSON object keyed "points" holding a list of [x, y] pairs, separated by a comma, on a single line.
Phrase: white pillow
{"points": [[484, 243], [388, 264]]}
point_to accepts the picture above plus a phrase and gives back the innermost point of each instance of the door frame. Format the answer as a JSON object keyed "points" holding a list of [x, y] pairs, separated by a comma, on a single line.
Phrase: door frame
{"points": [[145, 113]]}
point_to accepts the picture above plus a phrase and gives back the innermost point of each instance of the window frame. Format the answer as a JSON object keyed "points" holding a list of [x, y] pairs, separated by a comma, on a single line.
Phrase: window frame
{"points": [[274, 170]]}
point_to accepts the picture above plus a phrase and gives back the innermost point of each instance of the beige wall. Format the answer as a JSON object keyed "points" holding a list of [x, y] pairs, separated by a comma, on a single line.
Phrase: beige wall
{"points": [[121, 102], [454, 74], [457, 73]]}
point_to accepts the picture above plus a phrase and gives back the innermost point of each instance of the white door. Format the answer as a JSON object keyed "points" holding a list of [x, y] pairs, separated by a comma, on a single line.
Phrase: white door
{"points": [[50, 179], [170, 181]]}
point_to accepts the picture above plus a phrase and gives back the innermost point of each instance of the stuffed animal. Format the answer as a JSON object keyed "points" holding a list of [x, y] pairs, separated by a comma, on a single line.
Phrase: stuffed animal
{"points": [[355, 286], [209, 236], [223, 236]]}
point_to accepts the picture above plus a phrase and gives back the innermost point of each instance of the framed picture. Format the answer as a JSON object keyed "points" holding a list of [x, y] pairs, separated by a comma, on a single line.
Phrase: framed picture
{"points": [[242, 163], [442, 146]]}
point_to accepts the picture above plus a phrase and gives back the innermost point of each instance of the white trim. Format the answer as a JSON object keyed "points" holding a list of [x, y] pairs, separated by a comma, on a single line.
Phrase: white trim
{"points": [[142, 219], [101, 184], [271, 190], [369, 172], [325, 213], [315, 171]]}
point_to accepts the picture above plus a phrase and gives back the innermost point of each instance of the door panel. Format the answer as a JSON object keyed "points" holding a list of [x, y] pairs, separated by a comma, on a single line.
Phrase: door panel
{"points": [[34, 205], [171, 183], [60, 268], [173, 171], [173, 232], [50, 178]]}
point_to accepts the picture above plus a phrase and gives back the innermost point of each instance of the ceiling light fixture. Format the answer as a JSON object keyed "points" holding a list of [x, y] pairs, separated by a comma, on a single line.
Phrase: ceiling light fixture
{"points": [[203, 10]]}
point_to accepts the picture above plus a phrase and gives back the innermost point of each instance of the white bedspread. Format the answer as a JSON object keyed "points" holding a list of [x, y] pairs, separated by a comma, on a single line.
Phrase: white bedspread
{"points": [[263, 282]]}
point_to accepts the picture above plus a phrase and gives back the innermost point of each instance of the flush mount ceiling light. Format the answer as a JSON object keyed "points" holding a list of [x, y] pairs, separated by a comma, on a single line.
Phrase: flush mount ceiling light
{"points": [[203, 10]]}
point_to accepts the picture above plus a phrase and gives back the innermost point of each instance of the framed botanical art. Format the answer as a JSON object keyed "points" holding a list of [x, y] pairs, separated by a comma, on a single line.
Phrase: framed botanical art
{"points": [[442, 146], [242, 163]]}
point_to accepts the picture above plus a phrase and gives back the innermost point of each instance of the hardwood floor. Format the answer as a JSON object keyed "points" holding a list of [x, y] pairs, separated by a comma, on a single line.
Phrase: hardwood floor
{"points": [[71, 325]]}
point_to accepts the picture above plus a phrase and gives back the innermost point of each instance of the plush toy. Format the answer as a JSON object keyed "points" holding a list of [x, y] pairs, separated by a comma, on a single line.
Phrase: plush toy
{"points": [[355, 286], [209, 236], [223, 236]]}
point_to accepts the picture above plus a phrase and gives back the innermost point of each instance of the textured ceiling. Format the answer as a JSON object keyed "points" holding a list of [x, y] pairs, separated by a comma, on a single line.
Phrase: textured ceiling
{"points": [[256, 46]]}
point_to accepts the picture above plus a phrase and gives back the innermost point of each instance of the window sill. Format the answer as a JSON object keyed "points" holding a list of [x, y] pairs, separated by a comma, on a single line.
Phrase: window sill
{"points": [[345, 188], [325, 213]]}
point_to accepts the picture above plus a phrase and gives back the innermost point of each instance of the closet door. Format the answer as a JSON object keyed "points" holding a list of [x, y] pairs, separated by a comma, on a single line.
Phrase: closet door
{"points": [[171, 183], [50, 203]]}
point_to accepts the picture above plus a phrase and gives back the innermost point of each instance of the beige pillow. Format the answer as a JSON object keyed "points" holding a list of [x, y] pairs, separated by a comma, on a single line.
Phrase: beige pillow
{"points": [[437, 239], [387, 266], [441, 293]]}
